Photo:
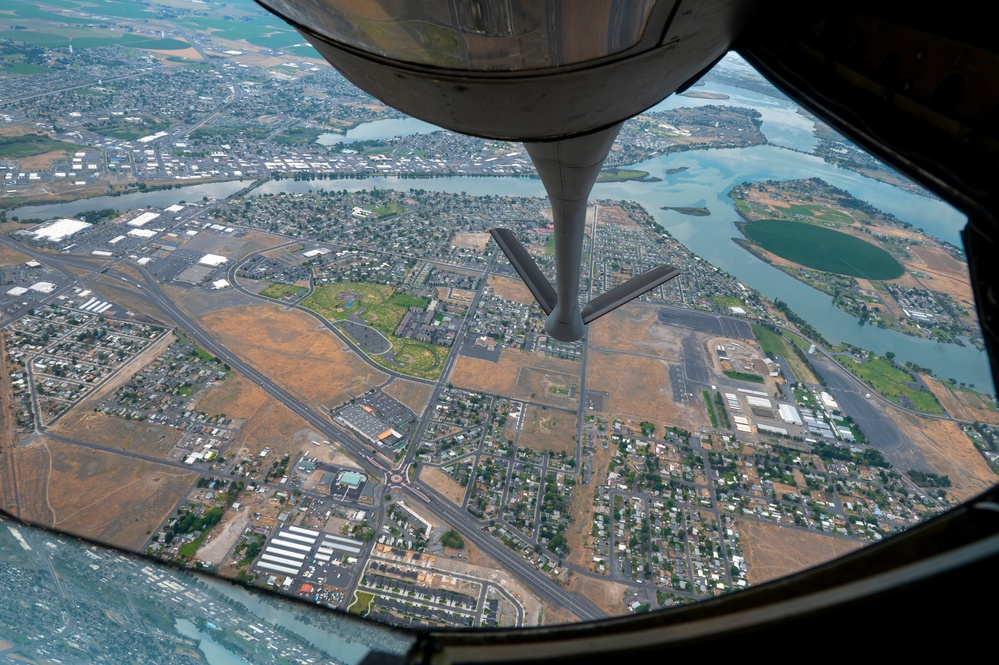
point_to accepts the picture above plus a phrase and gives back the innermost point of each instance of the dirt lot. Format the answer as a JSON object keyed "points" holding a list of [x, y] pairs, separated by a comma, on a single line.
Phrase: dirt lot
{"points": [[476, 241], [607, 595], [290, 255], [443, 483], [545, 430], [633, 328], [615, 215], [224, 536], [639, 389], [232, 247], [294, 350], [511, 289], [520, 375], [949, 451], [412, 394], [963, 405], [95, 494], [772, 551]]}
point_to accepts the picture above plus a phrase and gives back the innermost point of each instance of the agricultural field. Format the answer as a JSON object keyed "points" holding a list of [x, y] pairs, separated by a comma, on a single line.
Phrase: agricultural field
{"points": [[823, 249], [382, 309]]}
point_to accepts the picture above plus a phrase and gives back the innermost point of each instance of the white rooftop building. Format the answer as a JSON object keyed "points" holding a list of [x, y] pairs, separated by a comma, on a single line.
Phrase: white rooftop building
{"points": [[213, 260], [144, 219], [59, 230]]}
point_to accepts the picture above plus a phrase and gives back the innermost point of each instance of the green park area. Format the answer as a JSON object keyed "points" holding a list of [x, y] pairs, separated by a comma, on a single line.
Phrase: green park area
{"points": [[823, 249], [382, 308], [362, 603], [894, 383]]}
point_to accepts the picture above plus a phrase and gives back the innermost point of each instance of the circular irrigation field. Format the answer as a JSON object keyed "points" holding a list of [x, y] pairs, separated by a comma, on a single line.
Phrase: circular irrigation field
{"points": [[823, 249]]}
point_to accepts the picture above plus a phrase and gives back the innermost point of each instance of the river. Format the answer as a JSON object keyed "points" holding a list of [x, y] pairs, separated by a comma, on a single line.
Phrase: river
{"points": [[708, 177]]}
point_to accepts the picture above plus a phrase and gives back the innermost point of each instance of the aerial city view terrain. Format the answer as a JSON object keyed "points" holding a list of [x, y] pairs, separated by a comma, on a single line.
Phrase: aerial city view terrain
{"points": [[252, 323]]}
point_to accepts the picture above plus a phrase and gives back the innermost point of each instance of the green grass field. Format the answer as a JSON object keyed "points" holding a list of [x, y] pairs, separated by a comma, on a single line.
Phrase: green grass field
{"points": [[381, 308], [362, 602], [821, 213], [724, 302], [621, 175], [892, 382], [743, 376], [22, 68], [823, 249], [15, 147], [771, 343], [278, 290]]}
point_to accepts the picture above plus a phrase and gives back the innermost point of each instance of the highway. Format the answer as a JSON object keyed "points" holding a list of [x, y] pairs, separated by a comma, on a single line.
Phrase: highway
{"points": [[149, 290]]}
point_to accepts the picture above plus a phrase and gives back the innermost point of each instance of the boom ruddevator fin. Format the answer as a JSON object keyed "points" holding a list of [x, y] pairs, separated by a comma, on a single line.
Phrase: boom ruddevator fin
{"points": [[623, 293], [545, 295], [526, 268]]}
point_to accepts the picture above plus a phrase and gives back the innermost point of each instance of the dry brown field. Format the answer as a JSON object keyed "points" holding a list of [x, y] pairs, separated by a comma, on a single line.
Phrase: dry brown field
{"points": [[607, 595], [268, 423], [949, 451], [476, 241], [413, 394], [511, 289], [633, 328], [95, 494], [946, 274], [639, 389], [772, 551], [963, 405], [545, 429], [556, 615], [520, 375], [294, 350], [43, 161], [443, 483], [189, 53], [113, 432]]}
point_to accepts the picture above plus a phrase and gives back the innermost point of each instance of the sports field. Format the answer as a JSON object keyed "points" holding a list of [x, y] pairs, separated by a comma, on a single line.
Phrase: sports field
{"points": [[823, 249]]}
